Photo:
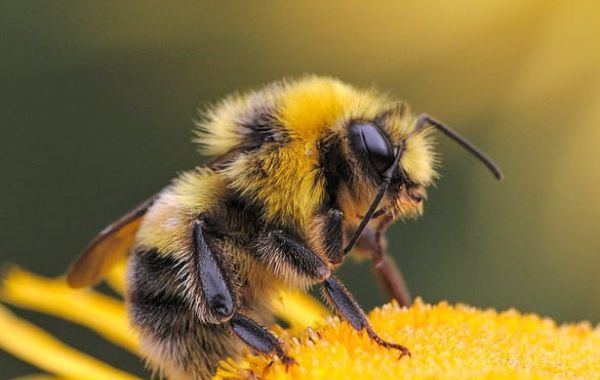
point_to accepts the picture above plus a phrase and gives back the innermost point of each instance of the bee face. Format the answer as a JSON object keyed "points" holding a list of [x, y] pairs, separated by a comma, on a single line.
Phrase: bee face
{"points": [[390, 144]]}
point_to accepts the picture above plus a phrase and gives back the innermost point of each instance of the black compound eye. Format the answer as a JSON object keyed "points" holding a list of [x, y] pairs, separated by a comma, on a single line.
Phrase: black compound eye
{"points": [[375, 144]]}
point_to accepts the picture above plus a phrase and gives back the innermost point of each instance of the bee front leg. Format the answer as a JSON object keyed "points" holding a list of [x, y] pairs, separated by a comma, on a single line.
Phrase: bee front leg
{"points": [[387, 273], [341, 299], [327, 234]]}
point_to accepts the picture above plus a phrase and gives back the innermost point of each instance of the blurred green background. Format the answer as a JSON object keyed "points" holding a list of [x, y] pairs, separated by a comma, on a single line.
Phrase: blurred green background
{"points": [[97, 101]]}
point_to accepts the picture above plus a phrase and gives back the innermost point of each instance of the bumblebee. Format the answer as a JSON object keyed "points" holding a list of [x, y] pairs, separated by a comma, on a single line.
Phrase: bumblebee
{"points": [[304, 172]]}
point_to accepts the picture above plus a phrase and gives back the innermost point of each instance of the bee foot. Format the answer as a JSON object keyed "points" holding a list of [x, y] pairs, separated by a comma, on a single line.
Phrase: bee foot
{"points": [[377, 339], [287, 361]]}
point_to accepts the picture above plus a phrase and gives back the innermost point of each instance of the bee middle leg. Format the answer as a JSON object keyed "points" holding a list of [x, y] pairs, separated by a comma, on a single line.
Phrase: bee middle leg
{"points": [[303, 260], [289, 258]]}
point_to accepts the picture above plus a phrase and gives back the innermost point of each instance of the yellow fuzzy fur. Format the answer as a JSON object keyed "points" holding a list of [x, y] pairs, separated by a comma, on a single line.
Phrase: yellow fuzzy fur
{"points": [[311, 106], [167, 225], [308, 110], [270, 177]]}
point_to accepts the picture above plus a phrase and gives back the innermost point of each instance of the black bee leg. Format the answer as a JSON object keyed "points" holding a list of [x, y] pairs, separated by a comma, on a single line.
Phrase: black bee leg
{"points": [[388, 275], [327, 234], [212, 277], [341, 299], [288, 257], [258, 337]]}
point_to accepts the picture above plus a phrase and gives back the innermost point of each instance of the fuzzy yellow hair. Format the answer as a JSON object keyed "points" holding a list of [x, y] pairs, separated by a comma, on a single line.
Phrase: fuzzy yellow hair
{"points": [[288, 180]]}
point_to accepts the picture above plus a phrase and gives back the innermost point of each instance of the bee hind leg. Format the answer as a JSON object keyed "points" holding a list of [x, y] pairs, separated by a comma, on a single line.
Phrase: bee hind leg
{"points": [[341, 299], [213, 281], [258, 337], [220, 301]]}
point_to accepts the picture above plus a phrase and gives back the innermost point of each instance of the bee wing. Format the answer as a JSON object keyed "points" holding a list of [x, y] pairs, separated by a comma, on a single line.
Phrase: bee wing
{"points": [[114, 242], [109, 247]]}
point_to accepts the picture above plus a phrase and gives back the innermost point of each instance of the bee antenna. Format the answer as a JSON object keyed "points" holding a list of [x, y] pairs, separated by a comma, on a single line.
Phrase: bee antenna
{"points": [[387, 178], [484, 158]]}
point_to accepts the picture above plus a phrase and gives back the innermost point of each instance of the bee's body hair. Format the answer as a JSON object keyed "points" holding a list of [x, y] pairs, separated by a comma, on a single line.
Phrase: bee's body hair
{"points": [[271, 210], [169, 328], [289, 167], [295, 166], [257, 266]]}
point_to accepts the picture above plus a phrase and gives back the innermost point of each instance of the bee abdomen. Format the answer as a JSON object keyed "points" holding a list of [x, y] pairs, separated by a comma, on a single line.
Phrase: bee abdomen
{"points": [[174, 341]]}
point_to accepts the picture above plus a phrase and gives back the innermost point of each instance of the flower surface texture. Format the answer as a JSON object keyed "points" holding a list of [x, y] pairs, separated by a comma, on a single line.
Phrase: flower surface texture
{"points": [[446, 341]]}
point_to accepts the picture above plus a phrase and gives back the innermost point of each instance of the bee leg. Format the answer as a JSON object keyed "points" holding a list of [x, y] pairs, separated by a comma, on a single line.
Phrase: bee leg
{"points": [[212, 277], [341, 299], [390, 278], [288, 257], [327, 234], [258, 337], [178, 336], [387, 273]]}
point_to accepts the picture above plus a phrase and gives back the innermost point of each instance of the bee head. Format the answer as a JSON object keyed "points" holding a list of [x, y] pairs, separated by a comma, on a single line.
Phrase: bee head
{"points": [[386, 151], [390, 163]]}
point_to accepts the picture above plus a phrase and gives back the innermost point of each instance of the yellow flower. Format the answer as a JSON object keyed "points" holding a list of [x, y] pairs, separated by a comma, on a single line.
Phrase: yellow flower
{"points": [[447, 342]]}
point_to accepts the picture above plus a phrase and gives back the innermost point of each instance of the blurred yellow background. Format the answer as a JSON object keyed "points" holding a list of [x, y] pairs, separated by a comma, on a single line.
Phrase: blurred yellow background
{"points": [[97, 101]]}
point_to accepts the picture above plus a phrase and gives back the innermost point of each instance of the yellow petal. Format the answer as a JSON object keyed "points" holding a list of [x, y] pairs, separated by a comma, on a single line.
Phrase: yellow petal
{"points": [[38, 377], [298, 309], [116, 277], [99, 312], [39, 348]]}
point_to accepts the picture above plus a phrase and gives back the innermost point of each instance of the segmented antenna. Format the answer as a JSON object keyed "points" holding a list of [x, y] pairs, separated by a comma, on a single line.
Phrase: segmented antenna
{"points": [[484, 158]]}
